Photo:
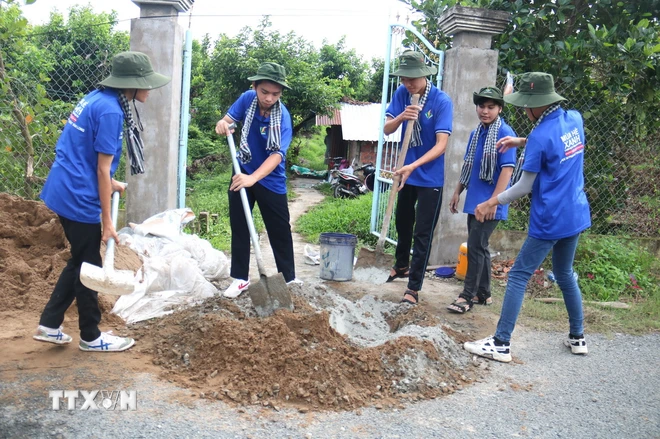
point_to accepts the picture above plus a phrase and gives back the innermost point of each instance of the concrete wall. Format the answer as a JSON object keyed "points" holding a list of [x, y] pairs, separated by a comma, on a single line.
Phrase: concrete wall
{"points": [[156, 189], [467, 69]]}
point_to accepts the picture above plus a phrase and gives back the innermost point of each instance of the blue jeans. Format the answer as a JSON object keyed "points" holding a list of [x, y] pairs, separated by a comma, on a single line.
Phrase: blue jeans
{"points": [[531, 255]]}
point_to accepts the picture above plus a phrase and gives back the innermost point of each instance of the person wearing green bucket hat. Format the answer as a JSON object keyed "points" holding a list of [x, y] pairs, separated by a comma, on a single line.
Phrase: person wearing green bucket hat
{"points": [[265, 137], [551, 167], [422, 176], [485, 173], [79, 188]]}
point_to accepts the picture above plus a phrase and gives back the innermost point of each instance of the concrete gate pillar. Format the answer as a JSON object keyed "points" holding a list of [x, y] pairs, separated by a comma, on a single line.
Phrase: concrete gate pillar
{"points": [[469, 65], [158, 34]]}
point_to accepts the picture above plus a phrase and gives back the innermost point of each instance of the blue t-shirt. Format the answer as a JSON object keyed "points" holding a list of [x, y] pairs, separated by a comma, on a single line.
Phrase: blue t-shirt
{"points": [[95, 126], [555, 151], [258, 138], [435, 117], [478, 190]]}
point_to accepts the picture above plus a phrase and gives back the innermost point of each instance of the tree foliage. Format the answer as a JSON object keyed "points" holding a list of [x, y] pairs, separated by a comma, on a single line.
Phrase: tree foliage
{"points": [[80, 49]]}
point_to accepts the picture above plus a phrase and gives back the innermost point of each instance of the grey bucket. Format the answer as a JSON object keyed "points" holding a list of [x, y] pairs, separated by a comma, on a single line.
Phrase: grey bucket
{"points": [[337, 253]]}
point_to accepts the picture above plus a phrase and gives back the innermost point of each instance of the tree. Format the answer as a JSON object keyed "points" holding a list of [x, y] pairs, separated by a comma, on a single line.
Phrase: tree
{"points": [[234, 59], [80, 49], [345, 65]]}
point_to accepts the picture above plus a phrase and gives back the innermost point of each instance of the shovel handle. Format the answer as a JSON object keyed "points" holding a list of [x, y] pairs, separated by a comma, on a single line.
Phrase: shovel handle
{"points": [[110, 248], [396, 180], [246, 206]]}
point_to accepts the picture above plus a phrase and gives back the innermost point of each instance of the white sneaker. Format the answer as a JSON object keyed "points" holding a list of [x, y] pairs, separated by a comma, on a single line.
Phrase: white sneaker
{"points": [[236, 288], [487, 348], [295, 281], [107, 343], [50, 335], [578, 345]]}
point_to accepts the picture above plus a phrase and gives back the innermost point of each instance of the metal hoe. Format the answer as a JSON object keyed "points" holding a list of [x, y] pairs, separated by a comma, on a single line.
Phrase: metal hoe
{"points": [[271, 292], [106, 279]]}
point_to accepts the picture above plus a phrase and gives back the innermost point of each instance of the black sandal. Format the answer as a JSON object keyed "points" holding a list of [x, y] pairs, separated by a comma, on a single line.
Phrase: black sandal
{"points": [[399, 273], [483, 300], [413, 294], [460, 307]]}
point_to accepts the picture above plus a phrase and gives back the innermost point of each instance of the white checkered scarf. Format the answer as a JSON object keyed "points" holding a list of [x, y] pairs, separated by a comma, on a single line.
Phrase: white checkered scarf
{"points": [[134, 145], [489, 159], [417, 128], [274, 141], [517, 172]]}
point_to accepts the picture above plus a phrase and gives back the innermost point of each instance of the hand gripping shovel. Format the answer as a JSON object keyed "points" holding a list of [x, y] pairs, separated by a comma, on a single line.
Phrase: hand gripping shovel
{"points": [[271, 292], [105, 279]]}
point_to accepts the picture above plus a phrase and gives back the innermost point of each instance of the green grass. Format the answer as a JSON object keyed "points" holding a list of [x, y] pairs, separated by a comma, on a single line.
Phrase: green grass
{"points": [[312, 150], [643, 316], [338, 215], [208, 193]]}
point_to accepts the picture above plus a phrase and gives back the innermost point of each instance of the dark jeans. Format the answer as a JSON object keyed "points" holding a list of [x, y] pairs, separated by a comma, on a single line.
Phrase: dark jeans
{"points": [[417, 212], [85, 240], [477, 278], [275, 213]]}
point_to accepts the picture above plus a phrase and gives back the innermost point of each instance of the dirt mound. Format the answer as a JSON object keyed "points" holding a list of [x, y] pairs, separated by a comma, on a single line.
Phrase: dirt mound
{"points": [[33, 252], [293, 358]]}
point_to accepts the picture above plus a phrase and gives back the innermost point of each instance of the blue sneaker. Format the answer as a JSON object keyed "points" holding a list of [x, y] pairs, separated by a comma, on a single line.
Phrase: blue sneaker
{"points": [[107, 343], [50, 335]]}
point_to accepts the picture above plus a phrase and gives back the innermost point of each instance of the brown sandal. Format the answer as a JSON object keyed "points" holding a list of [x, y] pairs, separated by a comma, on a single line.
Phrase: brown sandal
{"points": [[460, 307], [399, 273], [413, 294]]}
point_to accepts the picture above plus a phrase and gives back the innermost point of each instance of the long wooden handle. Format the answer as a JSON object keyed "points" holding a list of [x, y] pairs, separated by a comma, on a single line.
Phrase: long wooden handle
{"points": [[396, 180]]}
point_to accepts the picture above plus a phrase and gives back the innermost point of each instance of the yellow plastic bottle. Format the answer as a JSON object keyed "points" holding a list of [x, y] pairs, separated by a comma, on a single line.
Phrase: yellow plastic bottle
{"points": [[461, 268]]}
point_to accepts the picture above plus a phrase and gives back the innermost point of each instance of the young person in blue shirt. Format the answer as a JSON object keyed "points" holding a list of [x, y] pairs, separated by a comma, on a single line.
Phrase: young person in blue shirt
{"points": [[420, 189], [79, 188], [551, 168], [485, 174], [265, 138]]}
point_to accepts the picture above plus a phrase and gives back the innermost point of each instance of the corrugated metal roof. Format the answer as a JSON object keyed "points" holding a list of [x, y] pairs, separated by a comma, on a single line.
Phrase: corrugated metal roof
{"points": [[362, 122], [327, 121]]}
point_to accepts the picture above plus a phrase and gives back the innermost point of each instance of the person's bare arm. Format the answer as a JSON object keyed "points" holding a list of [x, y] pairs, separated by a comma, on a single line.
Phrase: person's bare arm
{"points": [[105, 195]]}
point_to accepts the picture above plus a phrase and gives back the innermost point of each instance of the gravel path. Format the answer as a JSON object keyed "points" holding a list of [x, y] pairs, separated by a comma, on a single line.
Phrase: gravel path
{"points": [[614, 392]]}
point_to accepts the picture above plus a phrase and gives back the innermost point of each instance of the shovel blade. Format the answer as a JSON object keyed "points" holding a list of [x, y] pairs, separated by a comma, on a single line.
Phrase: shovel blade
{"points": [[368, 258], [270, 294], [115, 283]]}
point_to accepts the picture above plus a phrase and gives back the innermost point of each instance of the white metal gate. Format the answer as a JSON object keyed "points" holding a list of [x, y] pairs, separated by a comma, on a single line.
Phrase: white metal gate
{"points": [[388, 146]]}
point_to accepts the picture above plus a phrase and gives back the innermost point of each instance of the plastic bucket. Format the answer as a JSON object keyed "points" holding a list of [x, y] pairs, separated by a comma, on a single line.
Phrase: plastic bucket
{"points": [[461, 268], [337, 252]]}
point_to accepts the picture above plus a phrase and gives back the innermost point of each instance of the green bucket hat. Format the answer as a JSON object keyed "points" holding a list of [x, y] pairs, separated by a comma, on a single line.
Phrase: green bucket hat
{"points": [[412, 65], [133, 70], [492, 93], [535, 89], [273, 72]]}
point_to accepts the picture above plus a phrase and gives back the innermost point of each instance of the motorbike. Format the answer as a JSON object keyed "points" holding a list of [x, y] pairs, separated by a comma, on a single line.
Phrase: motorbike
{"points": [[348, 185]]}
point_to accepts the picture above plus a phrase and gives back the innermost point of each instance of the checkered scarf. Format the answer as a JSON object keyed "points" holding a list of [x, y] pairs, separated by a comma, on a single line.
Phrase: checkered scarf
{"points": [[517, 172], [134, 144], [274, 141], [417, 128], [489, 159]]}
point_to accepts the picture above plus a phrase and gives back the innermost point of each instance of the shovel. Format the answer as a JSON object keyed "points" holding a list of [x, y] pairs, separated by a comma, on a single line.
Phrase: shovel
{"points": [[105, 279], [380, 258], [271, 292]]}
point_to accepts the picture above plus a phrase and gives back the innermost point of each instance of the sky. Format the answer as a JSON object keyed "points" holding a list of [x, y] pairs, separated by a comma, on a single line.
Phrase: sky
{"points": [[363, 22]]}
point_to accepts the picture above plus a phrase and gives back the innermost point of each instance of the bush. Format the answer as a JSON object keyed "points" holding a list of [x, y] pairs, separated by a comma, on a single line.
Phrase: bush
{"points": [[611, 268]]}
